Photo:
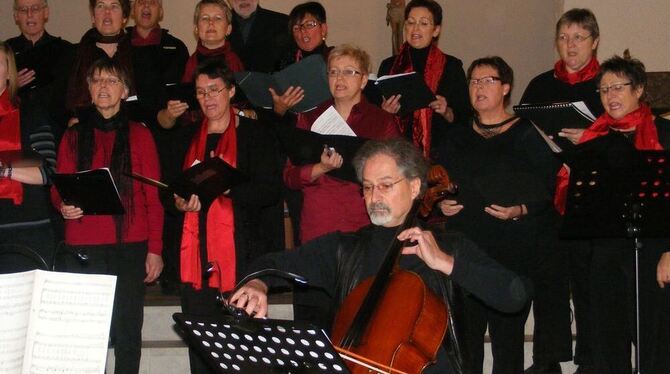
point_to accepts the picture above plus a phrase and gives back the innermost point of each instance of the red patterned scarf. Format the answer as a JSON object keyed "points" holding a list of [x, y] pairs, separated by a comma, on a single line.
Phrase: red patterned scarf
{"points": [[646, 138], [422, 118], [232, 60], [220, 219], [588, 72], [10, 140]]}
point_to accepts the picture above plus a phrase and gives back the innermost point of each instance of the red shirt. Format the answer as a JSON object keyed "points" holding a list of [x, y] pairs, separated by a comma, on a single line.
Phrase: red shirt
{"points": [[331, 204], [146, 217]]}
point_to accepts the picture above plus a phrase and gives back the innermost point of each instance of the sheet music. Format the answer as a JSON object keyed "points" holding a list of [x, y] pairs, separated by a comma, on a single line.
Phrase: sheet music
{"points": [[69, 323], [385, 77], [15, 297], [331, 122], [584, 110], [550, 142]]}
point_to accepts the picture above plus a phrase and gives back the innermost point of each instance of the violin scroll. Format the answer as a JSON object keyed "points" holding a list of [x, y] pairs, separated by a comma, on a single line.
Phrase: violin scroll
{"points": [[440, 187]]}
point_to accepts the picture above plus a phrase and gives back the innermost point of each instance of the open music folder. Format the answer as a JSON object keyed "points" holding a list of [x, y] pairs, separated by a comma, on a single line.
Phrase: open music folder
{"points": [[55, 322], [94, 191], [552, 117]]}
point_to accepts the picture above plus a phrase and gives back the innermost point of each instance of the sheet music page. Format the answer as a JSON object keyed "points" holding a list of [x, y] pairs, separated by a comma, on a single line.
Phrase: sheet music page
{"points": [[15, 296], [584, 110], [69, 323], [550, 142], [385, 77], [331, 122]]}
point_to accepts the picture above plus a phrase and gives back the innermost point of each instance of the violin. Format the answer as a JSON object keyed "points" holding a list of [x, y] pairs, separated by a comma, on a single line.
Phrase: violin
{"points": [[392, 322], [440, 187]]}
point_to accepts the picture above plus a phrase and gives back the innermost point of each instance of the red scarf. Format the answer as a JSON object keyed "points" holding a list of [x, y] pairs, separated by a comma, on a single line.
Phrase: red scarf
{"points": [[646, 138], [154, 37], [220, 219], [232, 61], [10, 140], [588, 72], [422, 118]]}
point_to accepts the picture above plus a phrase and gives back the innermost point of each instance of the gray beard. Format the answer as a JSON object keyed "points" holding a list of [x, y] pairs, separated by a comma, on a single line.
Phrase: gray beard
{"points": [[380, 214]]}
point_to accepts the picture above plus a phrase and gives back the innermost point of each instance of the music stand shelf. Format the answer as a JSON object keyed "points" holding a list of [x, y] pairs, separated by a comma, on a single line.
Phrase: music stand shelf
{"points": [[245, 345]]}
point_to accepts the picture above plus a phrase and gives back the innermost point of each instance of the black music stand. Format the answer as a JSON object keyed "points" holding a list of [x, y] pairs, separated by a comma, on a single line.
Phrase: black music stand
{"points": [[618, 192], [247, 345]]}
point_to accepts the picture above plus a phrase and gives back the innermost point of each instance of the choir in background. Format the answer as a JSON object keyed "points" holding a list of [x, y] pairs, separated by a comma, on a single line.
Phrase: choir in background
{"points": [[490, 252]]}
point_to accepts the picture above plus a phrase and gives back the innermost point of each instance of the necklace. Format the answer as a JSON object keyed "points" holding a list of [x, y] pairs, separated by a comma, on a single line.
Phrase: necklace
{"points": [[488, 131]]}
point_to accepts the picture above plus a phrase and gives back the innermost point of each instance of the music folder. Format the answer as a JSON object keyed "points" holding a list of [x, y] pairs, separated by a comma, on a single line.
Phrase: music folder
{"points": [[309, 73], [207, 179], [94, 191], [412, 87], [552, 117], [184, 92]]}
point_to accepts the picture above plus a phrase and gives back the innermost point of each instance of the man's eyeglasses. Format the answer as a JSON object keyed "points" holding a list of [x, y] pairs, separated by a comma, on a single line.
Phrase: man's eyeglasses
{"points": [[30, 9], [483, 81], [348, 73], [213, 92], [616, 87], [307, 25], [383, 188], [577, 39], [109, 81]]}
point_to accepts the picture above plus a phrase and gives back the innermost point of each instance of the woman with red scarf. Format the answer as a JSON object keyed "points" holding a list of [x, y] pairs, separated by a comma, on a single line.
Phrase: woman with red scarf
{"points": [[219, 240], [622, 85], [24, 208], [212, 24], [442, 73], [573, 78]]}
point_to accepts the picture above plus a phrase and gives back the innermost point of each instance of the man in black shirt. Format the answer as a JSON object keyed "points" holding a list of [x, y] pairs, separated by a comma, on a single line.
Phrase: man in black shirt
{"points": [[42, 60], [393, 176], [260, 37]]}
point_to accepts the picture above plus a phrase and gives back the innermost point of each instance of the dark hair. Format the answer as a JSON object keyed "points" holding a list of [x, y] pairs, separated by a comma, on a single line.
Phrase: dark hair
{"points": [[216, 68], [301, 10], [408, 158], [505, 72], [109, 66], [433, 7], [582, 17], [125, 6], [630, 68]]}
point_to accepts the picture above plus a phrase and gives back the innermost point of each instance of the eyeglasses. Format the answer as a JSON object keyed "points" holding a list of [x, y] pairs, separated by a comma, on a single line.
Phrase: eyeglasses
{"points": [[109, 81], [422, 23], [483, 81], [212, 92], [146, 2], [615, 87], [577, 39], [307, 25], [347, 73], [382, 188], [113, 7], [30, 9], [210, 19]]}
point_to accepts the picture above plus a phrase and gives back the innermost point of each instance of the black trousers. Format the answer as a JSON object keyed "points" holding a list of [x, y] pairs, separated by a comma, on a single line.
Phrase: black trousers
{"points": [[126, 261], [552, 337], [613, 307], [507, 337], [201, 302], [580, 254]]}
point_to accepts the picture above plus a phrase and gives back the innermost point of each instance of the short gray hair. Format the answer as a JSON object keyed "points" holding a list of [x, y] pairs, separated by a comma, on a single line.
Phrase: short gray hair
{"points": [[410, 161]]}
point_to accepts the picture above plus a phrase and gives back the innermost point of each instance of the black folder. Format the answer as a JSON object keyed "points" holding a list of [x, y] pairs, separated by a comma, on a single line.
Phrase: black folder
{"points": [[207, 180], [552, 117], [412, 87], [31, 59], [184, 92], [94, 191], [309, 73]]}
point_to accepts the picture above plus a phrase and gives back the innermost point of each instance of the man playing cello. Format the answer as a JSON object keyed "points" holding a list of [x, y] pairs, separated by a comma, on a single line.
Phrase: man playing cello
{"points": [[393, 175]]}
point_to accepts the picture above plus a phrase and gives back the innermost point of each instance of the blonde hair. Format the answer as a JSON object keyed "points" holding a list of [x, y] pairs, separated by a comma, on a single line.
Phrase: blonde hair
{"points": [[358, 54], [12, 84], [220, 3]]}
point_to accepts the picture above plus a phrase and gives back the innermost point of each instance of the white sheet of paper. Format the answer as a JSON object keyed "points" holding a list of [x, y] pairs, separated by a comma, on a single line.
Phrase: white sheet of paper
{"points": [[331, 122], [69, 323], [15, 297], [584, 110]]}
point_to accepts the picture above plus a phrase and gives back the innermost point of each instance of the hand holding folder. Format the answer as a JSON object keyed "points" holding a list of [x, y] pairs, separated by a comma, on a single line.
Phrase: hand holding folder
{"points": [[94, 191]]}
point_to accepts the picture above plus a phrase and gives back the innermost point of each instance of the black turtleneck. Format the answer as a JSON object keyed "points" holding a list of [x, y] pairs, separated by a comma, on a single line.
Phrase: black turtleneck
{"points": [[419, 58]]}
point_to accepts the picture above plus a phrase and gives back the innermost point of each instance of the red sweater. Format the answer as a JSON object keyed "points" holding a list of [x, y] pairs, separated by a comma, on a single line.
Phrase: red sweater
{"points": [[331, 204], [146, 217]]}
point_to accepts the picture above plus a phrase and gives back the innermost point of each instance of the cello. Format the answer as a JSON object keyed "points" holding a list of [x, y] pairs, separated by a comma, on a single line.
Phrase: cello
{"points": [[392, 322]]}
